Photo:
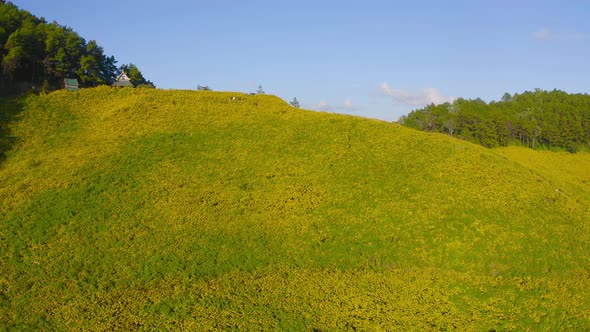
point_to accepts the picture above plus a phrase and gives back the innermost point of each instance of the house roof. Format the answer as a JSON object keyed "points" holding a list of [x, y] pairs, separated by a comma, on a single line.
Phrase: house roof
{"points": [[71, 81], [71, 84], [123, 80], [123, 83], [123, 77]]}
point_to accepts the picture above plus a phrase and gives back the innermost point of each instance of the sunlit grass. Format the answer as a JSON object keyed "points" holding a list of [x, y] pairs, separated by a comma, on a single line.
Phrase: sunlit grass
{"points": [[147, 209]]}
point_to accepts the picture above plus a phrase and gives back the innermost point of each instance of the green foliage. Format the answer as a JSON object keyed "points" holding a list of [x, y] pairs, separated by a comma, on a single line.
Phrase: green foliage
{"points": [[203, 88], [127, 209], [539, 120], [96, 68]]}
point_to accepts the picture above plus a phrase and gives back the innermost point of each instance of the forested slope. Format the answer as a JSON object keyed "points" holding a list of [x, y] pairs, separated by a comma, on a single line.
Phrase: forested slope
{"points": [[38, 55], [142, 209], [540, 119]]}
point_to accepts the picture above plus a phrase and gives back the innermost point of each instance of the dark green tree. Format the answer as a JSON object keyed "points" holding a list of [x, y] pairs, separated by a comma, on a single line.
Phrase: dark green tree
{"points": [[22, 51], [63, 52], [95, 67]]}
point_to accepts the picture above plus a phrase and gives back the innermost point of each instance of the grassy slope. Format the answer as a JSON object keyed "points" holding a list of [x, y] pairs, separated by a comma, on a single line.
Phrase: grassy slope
{"points": [[143, 209], [569, 173]]}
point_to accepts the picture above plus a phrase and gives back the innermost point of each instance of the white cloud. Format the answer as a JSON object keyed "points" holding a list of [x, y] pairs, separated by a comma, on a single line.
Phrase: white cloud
{"points": [[426, 97], [348, 105], [545, 34], [324, 106]]}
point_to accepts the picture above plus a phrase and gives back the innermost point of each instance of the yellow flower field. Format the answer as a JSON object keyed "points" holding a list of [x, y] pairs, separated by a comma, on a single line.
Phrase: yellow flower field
{"points": [[142, 209]]}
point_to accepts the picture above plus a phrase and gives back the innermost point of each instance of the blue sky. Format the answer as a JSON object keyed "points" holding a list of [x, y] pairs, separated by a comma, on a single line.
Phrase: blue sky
{"points": [[377, 59]]}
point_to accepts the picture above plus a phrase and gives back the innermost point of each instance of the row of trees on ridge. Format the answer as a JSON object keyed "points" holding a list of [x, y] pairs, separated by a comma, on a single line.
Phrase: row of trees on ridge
{"points": [[538, 119]]}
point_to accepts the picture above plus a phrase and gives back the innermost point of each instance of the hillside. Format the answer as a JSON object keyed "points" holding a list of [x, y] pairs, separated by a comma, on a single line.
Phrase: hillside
{"points": [[142, 209], [566, 171]]}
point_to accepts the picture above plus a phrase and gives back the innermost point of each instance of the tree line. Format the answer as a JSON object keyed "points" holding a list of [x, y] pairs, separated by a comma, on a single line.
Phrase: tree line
{"points": [[537, 119], [35, 54]]}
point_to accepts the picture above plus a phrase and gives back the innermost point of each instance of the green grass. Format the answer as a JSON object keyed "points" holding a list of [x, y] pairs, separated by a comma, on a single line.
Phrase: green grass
{"points": [[138, 209]]}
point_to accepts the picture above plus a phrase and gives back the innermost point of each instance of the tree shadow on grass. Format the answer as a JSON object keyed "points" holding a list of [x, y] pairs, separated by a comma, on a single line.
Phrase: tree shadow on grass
{"points": [[10, 107]]}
